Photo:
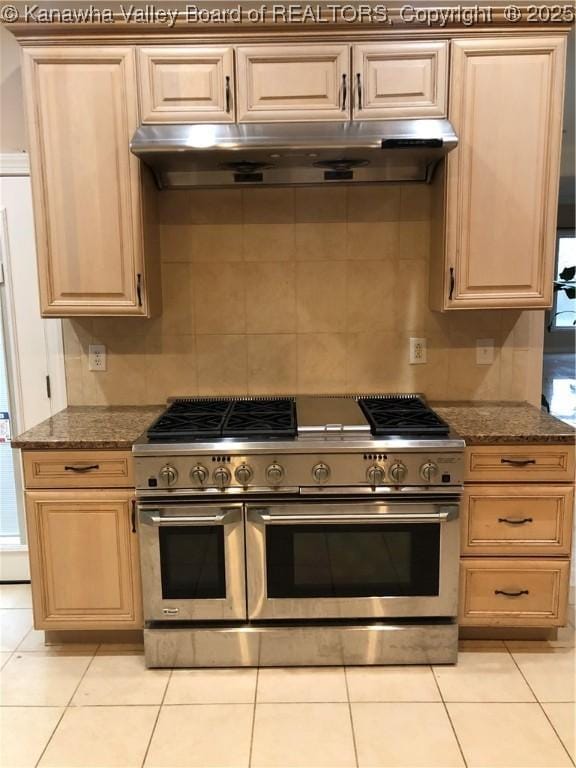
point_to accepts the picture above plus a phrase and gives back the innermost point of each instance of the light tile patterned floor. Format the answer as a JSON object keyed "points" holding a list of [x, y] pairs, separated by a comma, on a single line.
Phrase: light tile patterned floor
{"points": [[505, 704]]}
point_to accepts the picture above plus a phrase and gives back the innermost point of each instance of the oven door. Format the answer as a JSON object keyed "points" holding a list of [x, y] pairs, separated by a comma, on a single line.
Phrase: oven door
{"points": [[192, 560], [352, 560]]}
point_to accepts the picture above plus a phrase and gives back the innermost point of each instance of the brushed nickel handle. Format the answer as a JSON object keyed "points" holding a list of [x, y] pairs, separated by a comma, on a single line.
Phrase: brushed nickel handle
{"points": [[515, 521], [518, 462], [84, 468], [511, 594]]}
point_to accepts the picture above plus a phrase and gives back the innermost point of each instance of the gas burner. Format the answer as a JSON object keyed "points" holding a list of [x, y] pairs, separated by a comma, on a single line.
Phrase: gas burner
{"points": [[405, 416]]}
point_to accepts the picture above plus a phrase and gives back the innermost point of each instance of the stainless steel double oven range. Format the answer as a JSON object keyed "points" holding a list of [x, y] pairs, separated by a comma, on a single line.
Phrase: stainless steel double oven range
{"points": [[305, 530]]}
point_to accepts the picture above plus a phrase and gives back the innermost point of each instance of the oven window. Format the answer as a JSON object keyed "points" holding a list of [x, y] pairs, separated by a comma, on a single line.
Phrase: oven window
{"points": [[352, 560], [192, 562]]}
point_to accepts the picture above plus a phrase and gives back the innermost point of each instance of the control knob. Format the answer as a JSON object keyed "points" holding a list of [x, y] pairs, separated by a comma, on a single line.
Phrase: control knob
{"points": [[375, 475], [221, 476], [398, 472], [244, 474], [168, 474], [275, 473], [428, 471], [199, 474], [321, 472]]}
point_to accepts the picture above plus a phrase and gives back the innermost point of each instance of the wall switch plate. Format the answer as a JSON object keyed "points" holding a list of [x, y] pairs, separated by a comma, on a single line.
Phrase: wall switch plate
{"points": [[484, 351], [418, 352], [96, 357]]}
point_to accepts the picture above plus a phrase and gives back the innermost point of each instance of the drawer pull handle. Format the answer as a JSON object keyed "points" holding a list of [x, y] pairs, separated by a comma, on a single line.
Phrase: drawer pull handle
{"points": [[518, 462], [515, 521], [86, 468], [512, 594]]}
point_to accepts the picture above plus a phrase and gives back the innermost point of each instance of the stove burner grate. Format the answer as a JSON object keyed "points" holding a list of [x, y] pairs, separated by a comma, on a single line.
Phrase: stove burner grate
{"points": [[402, 417]]}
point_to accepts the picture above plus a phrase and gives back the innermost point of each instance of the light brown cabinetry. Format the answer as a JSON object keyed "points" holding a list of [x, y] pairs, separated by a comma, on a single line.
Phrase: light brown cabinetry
{"points": [[506, 104], [293, 82], [189, 84], [82, 109], [83, 546], [400, 80], [516, 535]]}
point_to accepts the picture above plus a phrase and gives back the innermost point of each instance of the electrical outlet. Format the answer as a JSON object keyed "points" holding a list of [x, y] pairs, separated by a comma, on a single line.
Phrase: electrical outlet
{"points": [[484, 351], [418, 352], [96, 357]]}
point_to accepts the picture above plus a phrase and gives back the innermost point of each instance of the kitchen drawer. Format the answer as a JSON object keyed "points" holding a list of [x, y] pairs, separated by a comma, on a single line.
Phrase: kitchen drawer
{"points": [[514, 592], [517, 520], [78, 469], [520, 463]]}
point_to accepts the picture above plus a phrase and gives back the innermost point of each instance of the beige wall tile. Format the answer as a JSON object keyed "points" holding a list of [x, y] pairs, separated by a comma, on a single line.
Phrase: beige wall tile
{"points": [[372, 296], [222, 365], [269, 242], [321, 362], [194, 206], [317, 241], [321, 297], [177, 301], [320, 204], [268, 205], [379, 203], [124, 380], [272, 364], [176, 242], [270, 297], [416, 201], [219, 298], [415, 240], [171, 369], [373, 362], [373, 240], [222, 242]]}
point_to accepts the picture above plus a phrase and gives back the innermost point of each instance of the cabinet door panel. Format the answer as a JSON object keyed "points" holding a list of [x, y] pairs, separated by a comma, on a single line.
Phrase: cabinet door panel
{"points": [[400, 80], [83, 560], [506, 102], [292, 83], [187, 85], [82, 112]]}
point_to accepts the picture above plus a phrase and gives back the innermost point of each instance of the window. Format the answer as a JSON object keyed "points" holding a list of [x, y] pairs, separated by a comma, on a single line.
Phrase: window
{"points": [[564, 310]]}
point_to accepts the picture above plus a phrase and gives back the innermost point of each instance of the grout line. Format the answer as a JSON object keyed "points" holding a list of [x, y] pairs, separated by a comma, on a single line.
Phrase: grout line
{"points": [[351, 717], [67, 706], [540, 704], [153, 731], [448, 715], [254, 716]]}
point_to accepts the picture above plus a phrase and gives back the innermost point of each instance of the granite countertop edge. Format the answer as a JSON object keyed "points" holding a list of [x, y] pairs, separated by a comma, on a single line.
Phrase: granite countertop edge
{"points": [[476, 422]]}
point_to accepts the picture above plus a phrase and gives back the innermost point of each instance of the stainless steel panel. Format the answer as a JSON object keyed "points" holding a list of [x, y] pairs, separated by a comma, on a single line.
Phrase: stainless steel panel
{"points": [[330, 416], [271, 646], [230, 518], [260, 606]]}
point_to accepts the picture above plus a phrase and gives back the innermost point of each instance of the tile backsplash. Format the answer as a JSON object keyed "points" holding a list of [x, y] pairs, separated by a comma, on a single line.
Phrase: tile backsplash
{"points": [[300, 290]]}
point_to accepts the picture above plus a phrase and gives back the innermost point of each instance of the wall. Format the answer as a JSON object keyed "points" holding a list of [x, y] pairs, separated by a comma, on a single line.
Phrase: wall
{"points": [[12, 130], [300, 290]]}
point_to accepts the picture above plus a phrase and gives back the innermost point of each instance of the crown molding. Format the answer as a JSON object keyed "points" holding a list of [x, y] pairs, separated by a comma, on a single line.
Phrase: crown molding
{"points": [[14, 164]]}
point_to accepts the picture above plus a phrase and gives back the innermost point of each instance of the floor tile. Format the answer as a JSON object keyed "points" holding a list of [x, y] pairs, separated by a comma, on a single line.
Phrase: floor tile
{"points": [[121, 679], [211, 686], [32, 679], [489, 674], [563, 719], [392, 684], [202, 736], [15, 596], [404, 734], [35, 641], [550, 671], [294, 684], [302, 736], [25, 732], [506, 736], [14, 626], [4, 656], [94, 737]]}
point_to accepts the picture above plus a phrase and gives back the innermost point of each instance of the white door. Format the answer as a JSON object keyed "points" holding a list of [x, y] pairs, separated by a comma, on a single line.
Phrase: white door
{"points": [[32, 379]]}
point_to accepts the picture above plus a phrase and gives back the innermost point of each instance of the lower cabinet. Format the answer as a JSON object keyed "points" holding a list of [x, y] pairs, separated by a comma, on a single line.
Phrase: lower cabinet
{"points": [[84, 559]]}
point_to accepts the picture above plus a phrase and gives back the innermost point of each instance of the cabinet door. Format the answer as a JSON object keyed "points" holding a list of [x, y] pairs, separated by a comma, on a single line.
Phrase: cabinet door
{"points": [[83, 560], [186, 85], [400, 80], [506, 102], [82, 112], [293, 82]]}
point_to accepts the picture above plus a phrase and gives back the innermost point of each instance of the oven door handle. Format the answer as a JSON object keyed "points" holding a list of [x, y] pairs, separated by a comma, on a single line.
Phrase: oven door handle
{"points": [[264, 515], [153, 517]]}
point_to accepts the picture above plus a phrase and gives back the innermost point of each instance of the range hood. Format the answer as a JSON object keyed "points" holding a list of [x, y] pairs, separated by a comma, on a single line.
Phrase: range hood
{"points": [[269, 154]]}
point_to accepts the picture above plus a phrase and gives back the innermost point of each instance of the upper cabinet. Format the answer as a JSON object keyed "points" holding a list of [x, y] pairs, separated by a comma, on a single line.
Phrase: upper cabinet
{"points": [[82, 110], [188, 84], [293, 82], [400, 80], [506, 103]]}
